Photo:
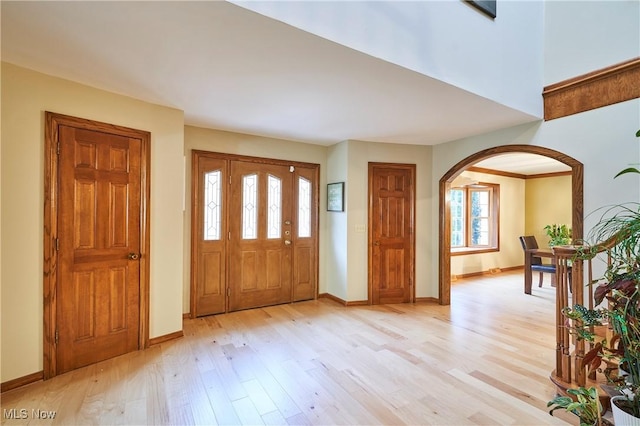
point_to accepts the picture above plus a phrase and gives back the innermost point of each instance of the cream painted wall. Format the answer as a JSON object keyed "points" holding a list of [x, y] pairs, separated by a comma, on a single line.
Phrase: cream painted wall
{"points": [[547, 201], [360, 154], [25, 97], [337, 253], [512, 225], [256, 146]]}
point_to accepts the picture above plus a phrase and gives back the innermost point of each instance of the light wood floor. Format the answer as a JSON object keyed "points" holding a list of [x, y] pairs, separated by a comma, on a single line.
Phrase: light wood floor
{"points": [[483, 360]]}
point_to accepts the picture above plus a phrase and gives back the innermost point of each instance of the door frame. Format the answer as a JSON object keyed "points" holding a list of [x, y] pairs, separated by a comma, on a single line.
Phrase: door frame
{"points": [[51, 212], [412, 235], [444, 229], [195, 216]]}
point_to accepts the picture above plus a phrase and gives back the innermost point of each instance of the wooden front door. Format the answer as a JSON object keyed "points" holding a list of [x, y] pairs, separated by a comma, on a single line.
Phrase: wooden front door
{"points": [[99, 242], [391, 232], [260, 235], [254, 232]]}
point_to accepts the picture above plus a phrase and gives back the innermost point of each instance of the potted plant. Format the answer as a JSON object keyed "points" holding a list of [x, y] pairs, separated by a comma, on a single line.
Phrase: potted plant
{"points": [[617, 231], [559, 235], [583, 402]]}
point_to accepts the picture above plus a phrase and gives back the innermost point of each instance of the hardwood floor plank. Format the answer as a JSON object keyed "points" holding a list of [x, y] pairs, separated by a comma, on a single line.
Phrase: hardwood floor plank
{"points": [[247, 412], [221, 405], [485, 359], [259, 397], [535, 416], [274, 418]]}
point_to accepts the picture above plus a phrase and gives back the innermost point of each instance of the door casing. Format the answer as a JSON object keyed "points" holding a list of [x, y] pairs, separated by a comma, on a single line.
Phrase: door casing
{"points": [[51, 215]]}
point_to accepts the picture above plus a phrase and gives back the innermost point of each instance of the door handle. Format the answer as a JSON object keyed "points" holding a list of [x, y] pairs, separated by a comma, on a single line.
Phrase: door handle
{"points": [[133, 256], [376, 243], [287, 242]]}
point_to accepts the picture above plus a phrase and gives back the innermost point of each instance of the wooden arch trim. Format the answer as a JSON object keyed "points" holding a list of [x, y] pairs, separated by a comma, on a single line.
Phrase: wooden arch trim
{"points": [[444, 228]]}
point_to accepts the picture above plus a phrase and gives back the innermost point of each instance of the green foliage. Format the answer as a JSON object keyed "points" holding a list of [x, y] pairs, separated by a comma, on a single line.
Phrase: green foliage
{"points": [[618, 232], [585, 404], [629, 169], [559, 235]]}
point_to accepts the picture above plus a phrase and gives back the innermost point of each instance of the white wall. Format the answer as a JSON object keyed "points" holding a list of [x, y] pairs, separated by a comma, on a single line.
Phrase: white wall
{"points": [[25, 97], [256, 146], [451, 41], [584, 36], [360, 154], [512, 220]]}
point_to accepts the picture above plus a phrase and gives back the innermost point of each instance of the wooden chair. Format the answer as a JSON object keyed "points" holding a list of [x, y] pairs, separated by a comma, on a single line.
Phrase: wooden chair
{"points": [[533, 262]]}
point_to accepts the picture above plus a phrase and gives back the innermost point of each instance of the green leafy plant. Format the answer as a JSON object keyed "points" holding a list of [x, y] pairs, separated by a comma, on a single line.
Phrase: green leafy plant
{"points": [[629, 169], [583, 402], [617, 301], [559, 235]]}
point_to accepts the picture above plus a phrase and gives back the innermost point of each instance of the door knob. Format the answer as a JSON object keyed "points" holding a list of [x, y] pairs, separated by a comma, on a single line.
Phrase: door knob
{"points": [[133, 256], [287, 242]]}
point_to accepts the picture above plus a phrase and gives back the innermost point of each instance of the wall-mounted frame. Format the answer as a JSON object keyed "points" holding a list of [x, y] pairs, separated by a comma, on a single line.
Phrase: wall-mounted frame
{"points": [[335, 197], [488, 7]]}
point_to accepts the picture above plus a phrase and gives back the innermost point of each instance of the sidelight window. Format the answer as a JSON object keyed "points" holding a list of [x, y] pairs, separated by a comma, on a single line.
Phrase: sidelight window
{"points": [[212, 205], [304, 208]]}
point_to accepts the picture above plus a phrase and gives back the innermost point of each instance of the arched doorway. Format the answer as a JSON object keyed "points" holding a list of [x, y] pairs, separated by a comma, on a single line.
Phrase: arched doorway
{"points": [[444, 228]]}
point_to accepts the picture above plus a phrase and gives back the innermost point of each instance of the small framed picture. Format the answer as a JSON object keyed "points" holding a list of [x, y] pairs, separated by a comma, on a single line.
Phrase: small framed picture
{"points": [[335, 197]]}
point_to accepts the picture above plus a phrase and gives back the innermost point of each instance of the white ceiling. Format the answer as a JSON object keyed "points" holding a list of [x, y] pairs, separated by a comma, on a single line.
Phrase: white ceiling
{"points": [[524, 164], [230, 68]]}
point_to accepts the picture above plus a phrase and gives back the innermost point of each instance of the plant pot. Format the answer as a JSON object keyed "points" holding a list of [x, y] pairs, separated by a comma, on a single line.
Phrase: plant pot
{"points": [[622, 418]]}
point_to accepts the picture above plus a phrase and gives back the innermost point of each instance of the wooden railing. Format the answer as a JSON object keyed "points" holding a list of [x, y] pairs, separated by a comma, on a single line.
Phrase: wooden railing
{"points": [[572, 288]]}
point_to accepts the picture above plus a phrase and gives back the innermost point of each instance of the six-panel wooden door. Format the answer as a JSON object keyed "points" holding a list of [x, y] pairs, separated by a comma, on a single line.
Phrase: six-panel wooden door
{"points": [[391, 225], [98, 290]]}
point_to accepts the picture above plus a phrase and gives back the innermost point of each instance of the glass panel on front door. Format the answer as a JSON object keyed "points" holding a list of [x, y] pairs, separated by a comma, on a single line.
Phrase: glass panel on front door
{"points": [[250, 207], [274, 214], [304, 208], [212, 205]]}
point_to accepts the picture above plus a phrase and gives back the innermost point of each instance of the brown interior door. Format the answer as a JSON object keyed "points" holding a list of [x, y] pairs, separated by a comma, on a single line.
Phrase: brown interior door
{"points": [[391, 224], [210, 236], [98, 284], [260, 239]]}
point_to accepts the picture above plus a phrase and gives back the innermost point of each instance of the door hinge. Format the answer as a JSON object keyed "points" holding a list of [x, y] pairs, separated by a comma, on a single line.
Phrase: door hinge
{"points": [[57, 337], [228, 291], [57, 244], [58, 148], [229, 236]]}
